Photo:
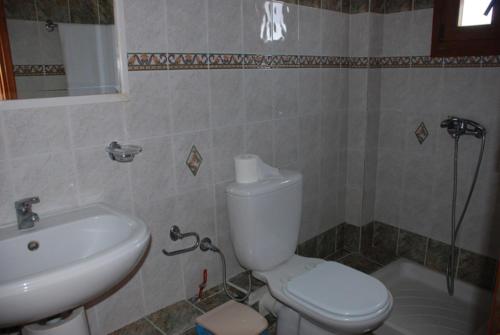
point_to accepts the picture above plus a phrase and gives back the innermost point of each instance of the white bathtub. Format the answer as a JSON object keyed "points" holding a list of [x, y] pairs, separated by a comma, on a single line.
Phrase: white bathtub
{"points": [[422, 305]]}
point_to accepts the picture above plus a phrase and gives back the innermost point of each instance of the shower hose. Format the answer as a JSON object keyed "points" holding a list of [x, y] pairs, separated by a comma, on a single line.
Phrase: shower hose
{"points": [[205, 245], [455, 226]]}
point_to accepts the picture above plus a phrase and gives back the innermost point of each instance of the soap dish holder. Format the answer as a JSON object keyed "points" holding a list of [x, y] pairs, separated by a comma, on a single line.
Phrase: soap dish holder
{"points": [[123, 153]]}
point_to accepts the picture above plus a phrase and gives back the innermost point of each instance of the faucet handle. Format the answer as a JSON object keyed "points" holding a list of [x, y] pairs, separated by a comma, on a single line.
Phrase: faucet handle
{"points": [[26, 202]]}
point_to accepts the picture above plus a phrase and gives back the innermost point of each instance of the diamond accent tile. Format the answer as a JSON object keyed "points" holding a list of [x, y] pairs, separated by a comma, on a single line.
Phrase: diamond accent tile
{"points": [[194, 160], [421, 132]]}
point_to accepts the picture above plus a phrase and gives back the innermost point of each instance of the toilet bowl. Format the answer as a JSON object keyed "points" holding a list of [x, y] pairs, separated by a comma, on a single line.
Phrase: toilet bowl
{"points": [[316, 297]]}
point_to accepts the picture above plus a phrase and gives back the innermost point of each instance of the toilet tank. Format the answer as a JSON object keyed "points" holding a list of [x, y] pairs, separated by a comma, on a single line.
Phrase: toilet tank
{"points": [[265, 220]]}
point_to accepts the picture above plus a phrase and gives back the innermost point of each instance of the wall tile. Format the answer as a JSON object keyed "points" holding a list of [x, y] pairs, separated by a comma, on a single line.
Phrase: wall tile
{"points": [[476, 269], [102, 180], [285, 89], [309, 91], [309, 31], [187, 25], [359, 35], [349, 236], [96, 124], [36, 131], [225, 26], [334, 27], [152, 187], [257, 26], [412, 246], [437, 255], [421, 32], [287, 40], [148, 112], [226, 88], [7, 197], [227, 143], [334, 90], [158, 270], [117, 311], [325, 243], [285, 141], [182, 146], [258, 94], [359, 6], [189, 99], [146, 35], [49, 176], [259, 140]]}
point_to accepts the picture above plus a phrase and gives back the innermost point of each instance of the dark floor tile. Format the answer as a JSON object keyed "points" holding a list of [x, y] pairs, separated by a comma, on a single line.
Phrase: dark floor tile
{"points": [[11, 331], [292, 2], [141, 327], [360, 263], [359, 6], [385, 237], [106, 12], [377, 6], [367, 236], [396, 6], [348, 237], [310, 3], [20, 9], [337, 255], [307, 248], [477, 269], [380, 255], [191, 331], [83, 11], [241, 280], [335, 5], [55, 10], [209, 303], [325, 243], [412, 246], [437, 255], [272, 329], [423, 4], [175, 318]]}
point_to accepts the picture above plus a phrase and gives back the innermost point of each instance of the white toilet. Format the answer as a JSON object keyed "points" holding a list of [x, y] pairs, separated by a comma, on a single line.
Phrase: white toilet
{"points": [[309, 295]]}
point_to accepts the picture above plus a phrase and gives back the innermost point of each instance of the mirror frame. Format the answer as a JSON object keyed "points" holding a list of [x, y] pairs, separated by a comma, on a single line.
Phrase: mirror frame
{"points": [[122, 67]]}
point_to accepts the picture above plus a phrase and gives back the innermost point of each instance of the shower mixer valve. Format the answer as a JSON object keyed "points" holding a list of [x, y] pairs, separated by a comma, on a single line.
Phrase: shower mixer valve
{"points": [[457, 127]]}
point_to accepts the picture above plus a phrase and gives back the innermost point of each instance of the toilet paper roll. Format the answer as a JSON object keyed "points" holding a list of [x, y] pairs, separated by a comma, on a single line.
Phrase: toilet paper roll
{"points": [[250, 169], [246, 168]]}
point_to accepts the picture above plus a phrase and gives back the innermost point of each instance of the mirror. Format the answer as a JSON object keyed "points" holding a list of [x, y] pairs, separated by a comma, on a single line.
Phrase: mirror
{"points": [[58, 48]]}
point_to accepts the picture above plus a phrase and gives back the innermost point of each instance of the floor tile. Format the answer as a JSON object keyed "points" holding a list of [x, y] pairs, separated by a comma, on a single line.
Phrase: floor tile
{"points": [[141, 327], [175, 318], [360, 263]]}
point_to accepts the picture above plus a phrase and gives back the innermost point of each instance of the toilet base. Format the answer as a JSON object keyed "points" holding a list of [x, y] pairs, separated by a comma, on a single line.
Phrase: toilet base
{"points": [[292, 323], [75, 324]]}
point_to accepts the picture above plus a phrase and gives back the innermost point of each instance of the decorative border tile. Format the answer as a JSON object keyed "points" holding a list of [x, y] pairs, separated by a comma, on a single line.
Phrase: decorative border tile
{"points": [[426, 61], [225, 61], [182, 61], [465, 61], [188, 61], [39, 70], [147, 61]]}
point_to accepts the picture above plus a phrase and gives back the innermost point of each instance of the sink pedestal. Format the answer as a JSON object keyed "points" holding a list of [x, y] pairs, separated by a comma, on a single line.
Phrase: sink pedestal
{"points": [[74, 324]]}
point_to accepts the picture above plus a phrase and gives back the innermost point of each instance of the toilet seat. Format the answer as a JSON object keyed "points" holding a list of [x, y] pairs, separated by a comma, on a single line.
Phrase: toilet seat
{"points": [[300, 283], [338, 290]]}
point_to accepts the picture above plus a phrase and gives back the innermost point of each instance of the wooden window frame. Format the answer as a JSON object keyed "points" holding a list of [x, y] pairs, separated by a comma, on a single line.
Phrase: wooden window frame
{"points": [[449, 39], [7, 79]]}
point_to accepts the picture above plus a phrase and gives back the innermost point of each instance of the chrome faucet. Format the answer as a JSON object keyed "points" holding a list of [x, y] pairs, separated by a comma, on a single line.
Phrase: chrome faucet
{"points": [[26, 218]]}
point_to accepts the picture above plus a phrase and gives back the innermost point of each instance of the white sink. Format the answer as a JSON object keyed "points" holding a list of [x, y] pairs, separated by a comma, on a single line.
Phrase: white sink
{"points": [[81, 254]]}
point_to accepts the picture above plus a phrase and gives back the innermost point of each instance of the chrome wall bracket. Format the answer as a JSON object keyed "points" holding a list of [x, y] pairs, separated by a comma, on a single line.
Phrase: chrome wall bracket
{"points": [[122, 153], [176, 234]]}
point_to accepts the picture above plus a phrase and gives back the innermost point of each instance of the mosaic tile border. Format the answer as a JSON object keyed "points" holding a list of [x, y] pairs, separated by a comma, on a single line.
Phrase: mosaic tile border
{"points": [[39, 70], [384, 243], [203, 61]]}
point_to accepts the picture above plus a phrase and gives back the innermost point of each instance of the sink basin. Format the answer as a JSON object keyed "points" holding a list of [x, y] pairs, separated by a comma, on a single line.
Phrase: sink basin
{"points": [[76, 256]]}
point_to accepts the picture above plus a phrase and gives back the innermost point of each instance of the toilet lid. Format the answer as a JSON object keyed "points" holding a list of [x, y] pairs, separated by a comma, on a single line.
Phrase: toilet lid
{"points": [[338, 289]]}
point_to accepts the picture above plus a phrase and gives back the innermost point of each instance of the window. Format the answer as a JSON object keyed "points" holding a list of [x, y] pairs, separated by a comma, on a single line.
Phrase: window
{"points": [[461, 28]]}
